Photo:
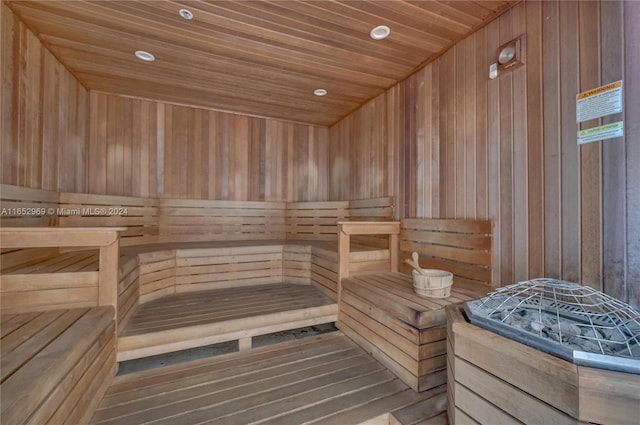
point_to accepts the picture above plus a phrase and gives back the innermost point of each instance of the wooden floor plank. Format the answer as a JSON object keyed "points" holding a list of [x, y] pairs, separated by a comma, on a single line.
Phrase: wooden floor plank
{"points": [[144, 384], [322, 379], [222, 384]]}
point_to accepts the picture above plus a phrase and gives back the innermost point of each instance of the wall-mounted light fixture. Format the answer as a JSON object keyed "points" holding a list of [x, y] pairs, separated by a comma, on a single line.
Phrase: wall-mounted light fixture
{"points": [[511, 55]]}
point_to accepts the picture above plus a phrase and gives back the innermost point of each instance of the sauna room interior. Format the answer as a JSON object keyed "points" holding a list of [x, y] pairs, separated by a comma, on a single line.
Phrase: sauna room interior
{"points": [[341, 212]]}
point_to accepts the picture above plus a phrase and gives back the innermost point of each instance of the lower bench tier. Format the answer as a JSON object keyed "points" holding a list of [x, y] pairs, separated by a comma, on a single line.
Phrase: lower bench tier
{"points": [[405, 332], [56, 365], [181, 321]]}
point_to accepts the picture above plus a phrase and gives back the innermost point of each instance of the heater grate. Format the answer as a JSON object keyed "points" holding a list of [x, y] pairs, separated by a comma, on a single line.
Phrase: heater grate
{"points": [[565, 319]]}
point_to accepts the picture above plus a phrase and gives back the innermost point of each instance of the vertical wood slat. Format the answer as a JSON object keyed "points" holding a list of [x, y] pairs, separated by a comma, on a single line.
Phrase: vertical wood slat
{"points": [[632, 124], [570, 174], [590, 154], [203, 154], [613, 157]]}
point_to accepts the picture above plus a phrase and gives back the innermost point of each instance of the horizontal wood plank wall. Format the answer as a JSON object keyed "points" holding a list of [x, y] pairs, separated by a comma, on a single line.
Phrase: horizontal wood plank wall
{"points": [[450, 143], [146, 148], [201, 220], [45, 114]]}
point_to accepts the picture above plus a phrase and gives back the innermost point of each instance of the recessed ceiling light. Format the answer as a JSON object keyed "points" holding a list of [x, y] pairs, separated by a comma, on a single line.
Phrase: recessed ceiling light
{"points": [[380, 32], [320, 92], [145, 56], [186, 14]]}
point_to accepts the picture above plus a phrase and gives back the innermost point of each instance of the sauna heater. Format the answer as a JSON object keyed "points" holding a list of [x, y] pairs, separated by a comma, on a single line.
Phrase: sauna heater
{"points": [[568, 320]]}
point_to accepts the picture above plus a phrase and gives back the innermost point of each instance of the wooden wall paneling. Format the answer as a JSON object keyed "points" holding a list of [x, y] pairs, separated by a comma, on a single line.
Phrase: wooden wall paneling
{"points": [[409, 95], [590, 154], [535, 141], [551, 135], [493, 160], [470, 136], [50, 122], [97, 159], [506, 160], [147, 148], [29, 106], [160, 149], [614, 210], [136, 147], [390, 99], [422, 163], [447, 125], [479, 72], [632, 125], [435, 140], [570, 174], [44, 114], [8, 59], [111, 142], [520, 159]]}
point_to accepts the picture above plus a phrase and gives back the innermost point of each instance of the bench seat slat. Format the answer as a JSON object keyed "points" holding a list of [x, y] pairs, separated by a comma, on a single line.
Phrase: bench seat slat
{"points": [[31, 346], [30, 385]]}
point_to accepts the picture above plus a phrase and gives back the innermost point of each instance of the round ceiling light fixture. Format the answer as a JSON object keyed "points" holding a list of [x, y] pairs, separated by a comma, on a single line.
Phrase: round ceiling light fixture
{"points": [[506, 55], [320, 92], [145, 56], [380, 32], [186, 14]]}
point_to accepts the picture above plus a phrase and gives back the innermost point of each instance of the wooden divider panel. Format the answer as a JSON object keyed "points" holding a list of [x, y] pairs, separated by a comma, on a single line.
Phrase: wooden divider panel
{"points": [[192, 220], [138, 215], [462, 247]]}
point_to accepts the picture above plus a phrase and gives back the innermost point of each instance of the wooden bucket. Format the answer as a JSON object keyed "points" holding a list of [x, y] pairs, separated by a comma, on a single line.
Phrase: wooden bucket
{"points": [[436, 284]]}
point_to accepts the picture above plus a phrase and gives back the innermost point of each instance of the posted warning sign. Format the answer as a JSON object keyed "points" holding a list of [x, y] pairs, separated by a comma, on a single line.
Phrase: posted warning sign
{"points": [[599, 102], [603, 132]]}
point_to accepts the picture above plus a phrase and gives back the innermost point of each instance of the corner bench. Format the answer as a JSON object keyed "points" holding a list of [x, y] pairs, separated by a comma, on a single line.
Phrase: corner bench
{"points": [[384, 315]]}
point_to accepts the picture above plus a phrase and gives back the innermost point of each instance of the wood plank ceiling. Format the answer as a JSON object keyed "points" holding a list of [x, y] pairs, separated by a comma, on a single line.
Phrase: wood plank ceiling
{"points": [[261, 58]]}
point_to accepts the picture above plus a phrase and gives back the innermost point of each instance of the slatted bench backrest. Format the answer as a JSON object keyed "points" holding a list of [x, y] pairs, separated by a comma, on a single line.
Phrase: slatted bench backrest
{"points": [[315, 220], [184, 220], [138, 215], [150, 220], [462, 247]]}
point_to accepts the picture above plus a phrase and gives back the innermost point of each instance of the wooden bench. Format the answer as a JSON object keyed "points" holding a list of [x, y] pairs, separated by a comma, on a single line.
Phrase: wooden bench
{"points": [[384, 315], [58, 340], [174, 246]]}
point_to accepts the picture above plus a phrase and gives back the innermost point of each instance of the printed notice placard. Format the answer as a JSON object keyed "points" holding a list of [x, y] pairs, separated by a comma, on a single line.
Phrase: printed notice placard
{"points": [[599, 102], [603, 132]]}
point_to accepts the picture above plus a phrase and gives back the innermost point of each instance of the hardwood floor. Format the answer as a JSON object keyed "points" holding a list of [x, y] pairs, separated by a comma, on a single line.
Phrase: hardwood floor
{"points": [[322, 379]]}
